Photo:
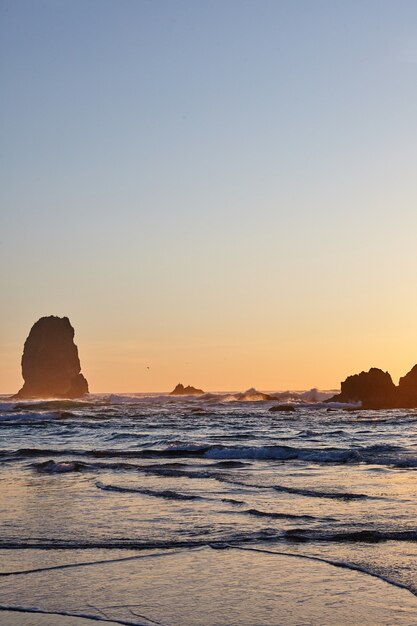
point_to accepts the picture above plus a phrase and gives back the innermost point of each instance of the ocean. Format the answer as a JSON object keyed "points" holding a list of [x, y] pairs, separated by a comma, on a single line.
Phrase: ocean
{"points": [[207, 510]]}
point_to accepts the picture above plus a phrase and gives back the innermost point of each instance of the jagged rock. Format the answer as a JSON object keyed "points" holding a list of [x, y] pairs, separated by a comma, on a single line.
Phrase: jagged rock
{"points": [[180, 390], [50, 364], [407, 389], [374, 389]]}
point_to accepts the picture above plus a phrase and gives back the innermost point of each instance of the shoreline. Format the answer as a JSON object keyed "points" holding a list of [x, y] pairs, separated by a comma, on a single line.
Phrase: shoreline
{"points": [[236, 585]]}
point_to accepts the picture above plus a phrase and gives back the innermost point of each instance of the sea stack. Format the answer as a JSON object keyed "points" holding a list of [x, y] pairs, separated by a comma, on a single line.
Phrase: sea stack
{"points": [[50, 364], [375, 390], [407, 389], [180, 390]]}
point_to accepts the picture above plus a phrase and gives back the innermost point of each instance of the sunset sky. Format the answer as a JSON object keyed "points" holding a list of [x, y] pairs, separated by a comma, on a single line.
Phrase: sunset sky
{"points": [[221, 193]]}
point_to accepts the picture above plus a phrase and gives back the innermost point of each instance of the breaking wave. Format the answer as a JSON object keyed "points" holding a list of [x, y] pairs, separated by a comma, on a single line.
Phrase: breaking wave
{"points": [[357, 536], [380, 454], [126, 543], [51, 467], [275, 515], [166, 493], [179, 471]]}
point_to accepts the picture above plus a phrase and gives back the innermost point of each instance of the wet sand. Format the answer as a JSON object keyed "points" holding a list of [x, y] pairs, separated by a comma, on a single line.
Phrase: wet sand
{"points": [[202, 587]]}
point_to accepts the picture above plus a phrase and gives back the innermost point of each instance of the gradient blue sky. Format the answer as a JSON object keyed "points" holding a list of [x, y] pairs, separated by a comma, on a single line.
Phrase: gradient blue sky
{"points": [[222, 191]]}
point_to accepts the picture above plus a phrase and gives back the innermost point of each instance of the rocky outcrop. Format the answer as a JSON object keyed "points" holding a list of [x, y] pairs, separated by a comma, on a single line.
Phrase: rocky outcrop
{"points": [[50, 364], [180, 390], [286, 408], [375, 390], [407, 389]]}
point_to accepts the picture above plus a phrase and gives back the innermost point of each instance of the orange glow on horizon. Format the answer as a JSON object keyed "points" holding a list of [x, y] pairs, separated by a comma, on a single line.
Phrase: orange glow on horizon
{"points": [[130, 367]]}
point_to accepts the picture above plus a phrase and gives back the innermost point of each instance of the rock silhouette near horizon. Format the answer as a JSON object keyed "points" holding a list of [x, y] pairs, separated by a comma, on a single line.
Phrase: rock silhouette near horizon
{"points": [[376, 390], [50, 363], [407, 388], [180, 390]]}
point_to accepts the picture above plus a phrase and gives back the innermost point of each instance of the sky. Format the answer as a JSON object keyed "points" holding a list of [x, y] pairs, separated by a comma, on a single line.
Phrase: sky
{"points": [[221, 193]]}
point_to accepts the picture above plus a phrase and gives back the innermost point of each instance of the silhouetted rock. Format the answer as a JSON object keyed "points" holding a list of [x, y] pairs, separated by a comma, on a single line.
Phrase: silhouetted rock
{"points": [[50, 364], [374, 389], [407, 389], [288, 408], [180, 390]]}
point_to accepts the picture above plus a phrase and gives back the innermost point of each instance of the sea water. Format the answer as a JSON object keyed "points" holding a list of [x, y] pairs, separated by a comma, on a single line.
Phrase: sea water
{"points": [[207, 510]]}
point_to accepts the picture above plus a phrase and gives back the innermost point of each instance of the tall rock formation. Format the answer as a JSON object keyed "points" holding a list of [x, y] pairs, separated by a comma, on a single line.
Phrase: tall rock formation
{"points": [[50, 364]]}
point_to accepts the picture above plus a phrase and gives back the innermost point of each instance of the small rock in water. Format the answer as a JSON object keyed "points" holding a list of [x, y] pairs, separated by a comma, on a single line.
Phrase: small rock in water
{"points": [[180, 390], [282, 407]]}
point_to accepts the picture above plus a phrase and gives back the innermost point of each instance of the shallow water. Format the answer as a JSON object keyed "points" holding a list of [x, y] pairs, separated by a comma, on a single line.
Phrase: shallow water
{"points": [[122, 476]]}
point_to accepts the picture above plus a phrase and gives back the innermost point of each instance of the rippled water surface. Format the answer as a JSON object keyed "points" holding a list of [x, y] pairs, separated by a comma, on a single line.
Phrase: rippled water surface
{"points": [[195, 480]]}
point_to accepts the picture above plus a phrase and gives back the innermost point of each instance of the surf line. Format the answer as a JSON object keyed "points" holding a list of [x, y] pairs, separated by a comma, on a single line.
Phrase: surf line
{"points": [[90, 616], [341, 564], [90, 563]]}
